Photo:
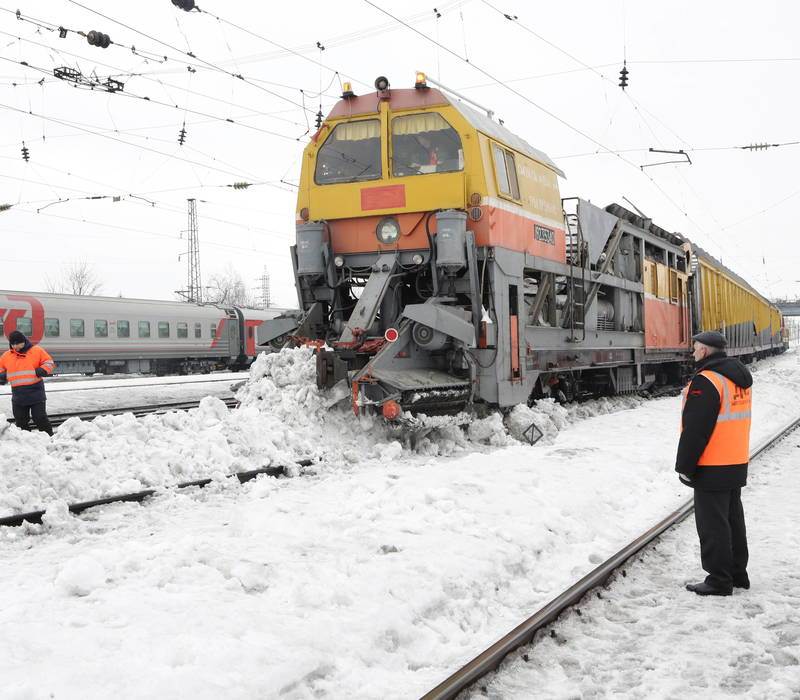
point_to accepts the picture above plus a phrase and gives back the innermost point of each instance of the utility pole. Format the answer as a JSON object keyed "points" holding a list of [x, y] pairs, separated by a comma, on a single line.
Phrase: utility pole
{"points": [[193, 292], [266, 299]]}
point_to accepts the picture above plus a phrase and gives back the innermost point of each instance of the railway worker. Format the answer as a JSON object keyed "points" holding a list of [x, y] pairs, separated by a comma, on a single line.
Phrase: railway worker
{"points": [[24, 365], [713, 453]]}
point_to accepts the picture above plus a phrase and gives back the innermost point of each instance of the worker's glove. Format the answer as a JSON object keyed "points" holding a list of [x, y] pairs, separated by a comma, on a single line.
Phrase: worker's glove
{"points": [[684, 479], [3, 379], [41, 372]]}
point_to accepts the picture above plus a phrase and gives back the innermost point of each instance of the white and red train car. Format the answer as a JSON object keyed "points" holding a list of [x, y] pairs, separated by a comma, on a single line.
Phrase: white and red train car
{"points": [[88, 334]]}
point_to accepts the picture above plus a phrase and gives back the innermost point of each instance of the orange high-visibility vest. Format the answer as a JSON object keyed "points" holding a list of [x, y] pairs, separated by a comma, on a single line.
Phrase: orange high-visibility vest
{"points": [[730, 441], [20, 369]]}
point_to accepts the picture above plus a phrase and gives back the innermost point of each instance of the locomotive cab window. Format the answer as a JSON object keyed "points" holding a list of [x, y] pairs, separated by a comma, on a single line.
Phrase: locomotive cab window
{"points": [[351, 153], [144, 329], [163, 329], [25, 326], [123, 329], [52, 328], [505, 170], [76, 328], [213, 330], [425, 143], [100, 329]]}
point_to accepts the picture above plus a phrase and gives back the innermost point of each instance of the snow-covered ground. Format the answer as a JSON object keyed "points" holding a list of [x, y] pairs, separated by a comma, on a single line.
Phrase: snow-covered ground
{"points": [[69, 394], [647, 638], [377, 573]]}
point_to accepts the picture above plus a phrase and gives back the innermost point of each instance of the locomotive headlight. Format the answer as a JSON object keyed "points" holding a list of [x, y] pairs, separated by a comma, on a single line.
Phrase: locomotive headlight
{"points": [[417, 259], [338, 261], [387, 231]]}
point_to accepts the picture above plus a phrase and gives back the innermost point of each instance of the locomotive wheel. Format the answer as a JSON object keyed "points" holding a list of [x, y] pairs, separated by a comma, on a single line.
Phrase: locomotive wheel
{"points": [[279, 343]]}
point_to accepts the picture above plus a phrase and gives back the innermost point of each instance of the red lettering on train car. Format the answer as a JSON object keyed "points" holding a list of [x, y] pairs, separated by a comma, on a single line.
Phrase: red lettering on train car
{"points": [[218, 335], [36, 316], [386, 197]]}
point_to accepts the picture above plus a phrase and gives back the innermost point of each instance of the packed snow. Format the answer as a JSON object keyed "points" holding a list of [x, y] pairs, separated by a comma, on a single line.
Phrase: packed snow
{"points": [[378, 571]]}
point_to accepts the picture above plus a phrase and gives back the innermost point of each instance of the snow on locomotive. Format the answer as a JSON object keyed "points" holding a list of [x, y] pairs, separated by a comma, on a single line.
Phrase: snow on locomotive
{"points": [[87, 334], [439, 265]]}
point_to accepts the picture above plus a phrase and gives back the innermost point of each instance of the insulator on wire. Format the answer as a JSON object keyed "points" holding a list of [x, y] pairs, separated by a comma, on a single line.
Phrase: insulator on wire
{"points": [[241, 185], [5, 207], [26, 154], [319, 119], [186, 5], [623, 75], [182, 135], [62, 33], [96, 38]]}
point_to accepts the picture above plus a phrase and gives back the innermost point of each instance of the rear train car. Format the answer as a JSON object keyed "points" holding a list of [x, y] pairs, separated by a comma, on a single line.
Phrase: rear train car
{"points": [[87, 334]]}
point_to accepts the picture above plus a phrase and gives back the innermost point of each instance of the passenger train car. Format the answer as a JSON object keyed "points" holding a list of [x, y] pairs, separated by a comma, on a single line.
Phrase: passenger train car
{"points": [[86, 334], [436, 265]]}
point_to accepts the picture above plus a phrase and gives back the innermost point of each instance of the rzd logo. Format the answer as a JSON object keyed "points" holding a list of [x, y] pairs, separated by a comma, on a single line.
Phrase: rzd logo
{"points": [[10, 315]]}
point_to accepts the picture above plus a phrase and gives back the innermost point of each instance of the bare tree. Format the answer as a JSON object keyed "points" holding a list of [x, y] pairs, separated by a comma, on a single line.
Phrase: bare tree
{"points": [[228, 287], [77, 277]]}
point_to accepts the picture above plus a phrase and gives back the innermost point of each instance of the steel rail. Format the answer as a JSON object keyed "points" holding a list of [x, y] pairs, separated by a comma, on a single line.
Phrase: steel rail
{"points": [[138, 411], [139, 496], [524, 633]]}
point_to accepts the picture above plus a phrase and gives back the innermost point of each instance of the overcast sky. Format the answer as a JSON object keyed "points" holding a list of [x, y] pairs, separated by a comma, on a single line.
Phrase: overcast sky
{"points": [[706, 77]]}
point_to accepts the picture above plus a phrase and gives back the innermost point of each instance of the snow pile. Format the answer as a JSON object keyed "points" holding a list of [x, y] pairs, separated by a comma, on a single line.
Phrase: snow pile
{"points": [[283, 419]]}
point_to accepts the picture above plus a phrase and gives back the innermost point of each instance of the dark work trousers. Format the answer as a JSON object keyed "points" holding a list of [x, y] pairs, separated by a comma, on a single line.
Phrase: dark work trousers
{"points": [[723, 539], [22, 416]]}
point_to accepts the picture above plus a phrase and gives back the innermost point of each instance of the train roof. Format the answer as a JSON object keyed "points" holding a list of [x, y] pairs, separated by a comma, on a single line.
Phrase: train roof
{"points": [[177, 303], [363, 105]]}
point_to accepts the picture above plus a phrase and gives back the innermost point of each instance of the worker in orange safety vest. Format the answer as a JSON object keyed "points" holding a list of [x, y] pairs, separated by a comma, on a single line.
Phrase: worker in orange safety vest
{"points": [[713, 455], [23, 366]]}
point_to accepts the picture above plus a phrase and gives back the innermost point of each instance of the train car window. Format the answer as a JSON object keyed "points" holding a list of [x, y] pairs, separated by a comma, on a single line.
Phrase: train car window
{"points": [[76, 328], [351, 153], [183, 329], [51, 328], [213, 330], [123, 329], [144, 329], [505, 169], [198, 330], [25, 325], [163, 329], [425, 143], [100, 329]]}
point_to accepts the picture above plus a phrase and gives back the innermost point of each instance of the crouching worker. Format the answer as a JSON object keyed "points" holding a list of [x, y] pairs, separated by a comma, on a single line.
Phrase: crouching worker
{"points": [[24, 365]]}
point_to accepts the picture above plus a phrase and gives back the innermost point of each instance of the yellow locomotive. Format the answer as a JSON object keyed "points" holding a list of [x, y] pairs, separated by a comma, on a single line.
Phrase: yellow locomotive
{"points": [[436, 265]]}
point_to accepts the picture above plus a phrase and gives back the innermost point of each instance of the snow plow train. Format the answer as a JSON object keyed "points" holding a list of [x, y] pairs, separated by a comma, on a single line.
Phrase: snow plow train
{"points": [[437, 265]]}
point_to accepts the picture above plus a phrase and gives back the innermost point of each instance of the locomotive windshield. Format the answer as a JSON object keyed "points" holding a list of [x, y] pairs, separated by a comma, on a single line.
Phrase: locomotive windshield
{"points": [[425, 143], [350, 154]]}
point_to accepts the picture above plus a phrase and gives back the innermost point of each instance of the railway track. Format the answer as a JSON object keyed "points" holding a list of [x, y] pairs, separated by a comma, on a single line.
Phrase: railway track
{"points": [[139, 496], [138, 411], [488, 660]]}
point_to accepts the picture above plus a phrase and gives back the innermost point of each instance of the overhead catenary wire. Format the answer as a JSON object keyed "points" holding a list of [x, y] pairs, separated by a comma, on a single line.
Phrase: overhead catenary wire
{"points": [[238, 76], [127, 143], [144, 98], [541, 108]]}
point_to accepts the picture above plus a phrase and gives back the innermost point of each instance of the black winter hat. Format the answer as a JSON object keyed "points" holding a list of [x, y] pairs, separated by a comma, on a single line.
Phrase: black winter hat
{"points": [[16, 337], [713, 339]]}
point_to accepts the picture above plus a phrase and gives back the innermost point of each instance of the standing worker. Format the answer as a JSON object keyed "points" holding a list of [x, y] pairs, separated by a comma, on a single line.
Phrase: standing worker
{"points": [[713, 454], [24, 365]]}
